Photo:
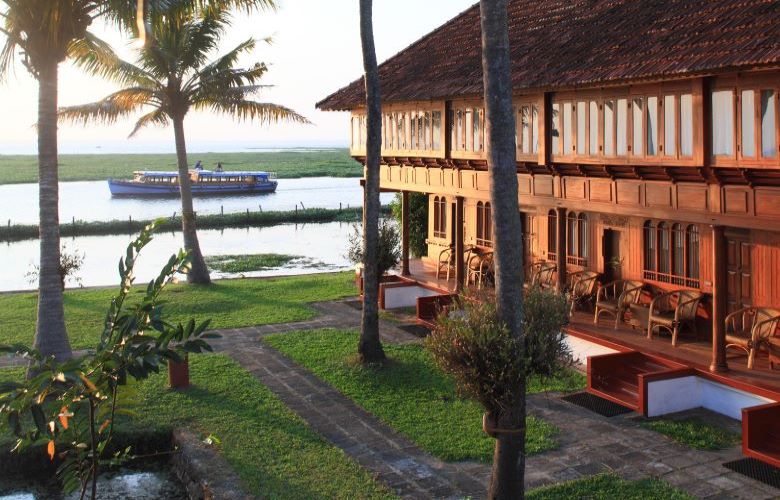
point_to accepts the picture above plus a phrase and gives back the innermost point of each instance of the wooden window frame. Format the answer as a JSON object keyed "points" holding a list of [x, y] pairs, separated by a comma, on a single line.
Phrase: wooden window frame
{"points": [[651, 264], [552, 234], [440, 217], [577, 250], [484, 230]]}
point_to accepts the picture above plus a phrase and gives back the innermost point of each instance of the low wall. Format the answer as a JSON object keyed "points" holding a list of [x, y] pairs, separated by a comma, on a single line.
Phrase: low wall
{"points": [[204, 472]]}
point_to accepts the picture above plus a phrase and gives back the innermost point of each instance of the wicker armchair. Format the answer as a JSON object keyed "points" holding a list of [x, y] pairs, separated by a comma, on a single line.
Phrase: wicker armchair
{"points": [[480, 269], [672, 311], [615, 298], [583, 289], [542, 274], [446, 262], [750, 328]]}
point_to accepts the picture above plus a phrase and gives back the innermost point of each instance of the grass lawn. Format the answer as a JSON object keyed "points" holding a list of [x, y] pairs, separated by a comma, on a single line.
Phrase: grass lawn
{"points": [[229, 304], [694, 432], [288, 164], [410, 394], [249, 262], [609, 487], [270, 448]]}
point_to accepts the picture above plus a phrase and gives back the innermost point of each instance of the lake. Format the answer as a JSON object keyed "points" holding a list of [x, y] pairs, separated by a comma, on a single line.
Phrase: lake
{"points": [[323, 247], [91, 201]]}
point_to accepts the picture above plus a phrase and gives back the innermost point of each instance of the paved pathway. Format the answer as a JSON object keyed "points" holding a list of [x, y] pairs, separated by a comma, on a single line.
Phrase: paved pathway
{"points": [[589, 443]]}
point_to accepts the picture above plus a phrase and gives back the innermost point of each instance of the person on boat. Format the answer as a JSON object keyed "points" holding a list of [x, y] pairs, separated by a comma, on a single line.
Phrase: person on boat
{"points": [[219, 167], [199, 165]]}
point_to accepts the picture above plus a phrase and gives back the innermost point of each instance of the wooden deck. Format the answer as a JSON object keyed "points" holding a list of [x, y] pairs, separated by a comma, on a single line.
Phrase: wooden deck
{"points": [[692, 353], [696, 354]]}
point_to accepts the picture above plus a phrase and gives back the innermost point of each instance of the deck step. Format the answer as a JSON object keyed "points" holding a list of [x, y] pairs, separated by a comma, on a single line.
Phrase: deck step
{"points": [[760, 433]]}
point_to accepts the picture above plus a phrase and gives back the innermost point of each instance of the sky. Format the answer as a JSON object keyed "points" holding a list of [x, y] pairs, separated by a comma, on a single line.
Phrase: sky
{"points": [[315, 51]]}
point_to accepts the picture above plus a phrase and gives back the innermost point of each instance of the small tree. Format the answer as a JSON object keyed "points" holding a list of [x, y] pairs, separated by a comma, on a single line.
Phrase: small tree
{"points": [[475, 347], [72, 405], [418, 221], [389, 246], [70, 265]]}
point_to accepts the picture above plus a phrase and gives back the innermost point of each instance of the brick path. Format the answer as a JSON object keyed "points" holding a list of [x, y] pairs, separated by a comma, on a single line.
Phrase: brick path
{"points": [[589, 443]]}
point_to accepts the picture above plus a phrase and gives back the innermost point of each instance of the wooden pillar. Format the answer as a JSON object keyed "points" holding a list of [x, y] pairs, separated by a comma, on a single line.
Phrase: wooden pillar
{"points": [[405, 233], [460, 268], [719, 302], [560, 251]]}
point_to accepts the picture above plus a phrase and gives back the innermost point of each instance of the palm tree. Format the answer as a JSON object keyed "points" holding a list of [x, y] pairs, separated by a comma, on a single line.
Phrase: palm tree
{"points": [[46, 33], [370, 346], [172, 77], [509, 456]]}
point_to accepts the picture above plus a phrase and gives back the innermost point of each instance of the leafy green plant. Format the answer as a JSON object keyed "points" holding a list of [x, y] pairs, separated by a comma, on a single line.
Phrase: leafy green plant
{"points": [[72, 405], [472, 345], [389, 246], [418, 221]]}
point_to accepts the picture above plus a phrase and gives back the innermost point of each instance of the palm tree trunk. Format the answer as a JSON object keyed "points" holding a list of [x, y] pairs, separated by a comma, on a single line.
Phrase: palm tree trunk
{"points": [[199, 273], [370, 346], [51, 337], [509, 455]]}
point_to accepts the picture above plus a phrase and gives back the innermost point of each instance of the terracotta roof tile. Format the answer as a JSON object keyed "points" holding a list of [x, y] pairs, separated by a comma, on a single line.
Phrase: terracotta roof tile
{"points": [[567, 43]]}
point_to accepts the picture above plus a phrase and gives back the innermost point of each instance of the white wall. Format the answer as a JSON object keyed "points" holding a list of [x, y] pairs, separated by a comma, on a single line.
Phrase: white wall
{"points": [[405, 296]]}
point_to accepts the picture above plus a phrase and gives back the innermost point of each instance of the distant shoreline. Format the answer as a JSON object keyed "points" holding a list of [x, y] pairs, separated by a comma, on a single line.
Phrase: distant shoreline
{"points": [[288, 163]]}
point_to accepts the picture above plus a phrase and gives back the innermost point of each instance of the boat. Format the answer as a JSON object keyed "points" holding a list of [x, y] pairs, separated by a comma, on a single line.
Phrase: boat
{"points": [[203, 182]]}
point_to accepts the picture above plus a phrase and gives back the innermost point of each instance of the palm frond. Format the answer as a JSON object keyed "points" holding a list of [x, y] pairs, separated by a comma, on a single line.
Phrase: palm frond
{"points": [[243, 110], [157, 117], [97, 58], [109, 109]]}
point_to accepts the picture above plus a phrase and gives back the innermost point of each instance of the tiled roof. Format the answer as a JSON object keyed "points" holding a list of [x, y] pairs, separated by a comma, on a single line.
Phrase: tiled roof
{"points": [[568, 43]]}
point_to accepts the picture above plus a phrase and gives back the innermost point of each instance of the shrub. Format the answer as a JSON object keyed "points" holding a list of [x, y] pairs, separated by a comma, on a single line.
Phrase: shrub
{"points": [[70, 265], [487, 363], [418, 221], [389, 246]]}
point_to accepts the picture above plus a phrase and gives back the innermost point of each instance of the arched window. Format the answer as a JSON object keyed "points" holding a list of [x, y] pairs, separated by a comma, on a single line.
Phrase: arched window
{"points": [[582, 236], [651, 248], [484, 224], [663, 249], [692, 244], [678, 250], [439, 217], [671, 253], [552, 234], [577, 239]]}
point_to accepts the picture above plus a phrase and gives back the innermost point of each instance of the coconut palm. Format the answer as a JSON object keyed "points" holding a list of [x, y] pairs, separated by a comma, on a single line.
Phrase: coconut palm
{"points": [[172, 76], [509, 455], [370, 347], [45, 33]]}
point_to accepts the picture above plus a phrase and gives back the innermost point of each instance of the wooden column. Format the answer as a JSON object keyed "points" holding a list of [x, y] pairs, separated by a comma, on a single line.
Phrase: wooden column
{"points": [[460, 268], [560, 251], [405, 233], [719, 302]]}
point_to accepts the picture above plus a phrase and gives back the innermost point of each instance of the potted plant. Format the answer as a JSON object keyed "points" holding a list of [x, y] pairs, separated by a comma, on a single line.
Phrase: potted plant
{"points": [[389, 251]]}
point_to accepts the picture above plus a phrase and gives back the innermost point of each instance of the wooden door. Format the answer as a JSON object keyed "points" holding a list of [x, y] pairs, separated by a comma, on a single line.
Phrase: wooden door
{"points": [[739, 272], [611, 253]]}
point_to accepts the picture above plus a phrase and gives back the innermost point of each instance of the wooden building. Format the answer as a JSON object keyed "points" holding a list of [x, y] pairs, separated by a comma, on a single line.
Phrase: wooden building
{"points": [[648, 149]]}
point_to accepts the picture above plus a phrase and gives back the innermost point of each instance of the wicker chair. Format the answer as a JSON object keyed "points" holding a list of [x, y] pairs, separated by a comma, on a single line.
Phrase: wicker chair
{"points": [[615, 298], [446, 262], [672, 311], [480, 269], [542, 274], [583, 289], [750, 328]]}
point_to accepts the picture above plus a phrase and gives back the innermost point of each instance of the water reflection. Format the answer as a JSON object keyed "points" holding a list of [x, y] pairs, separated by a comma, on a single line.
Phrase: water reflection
{"points": [[324, 246], [90, 201]]}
